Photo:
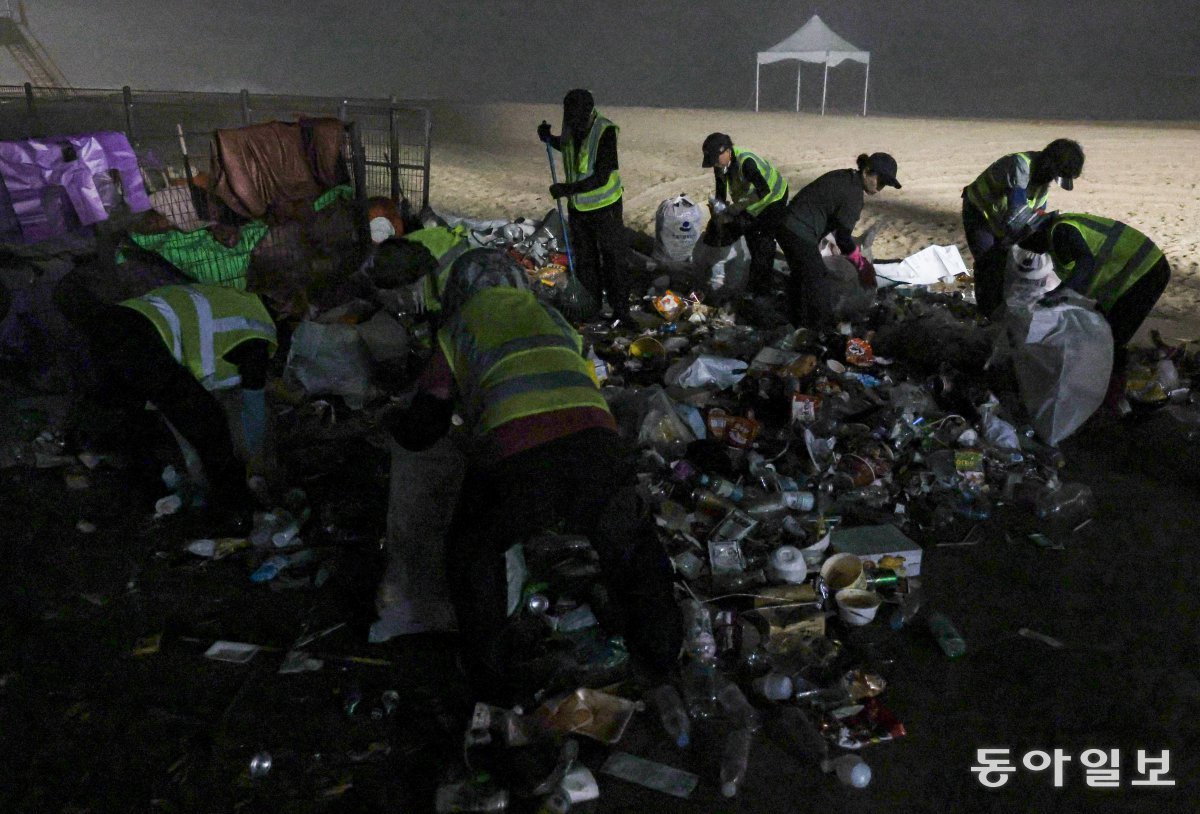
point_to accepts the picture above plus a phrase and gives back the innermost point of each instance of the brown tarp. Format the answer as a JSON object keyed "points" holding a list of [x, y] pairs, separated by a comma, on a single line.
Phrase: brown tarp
{"points": [[262, 165]]}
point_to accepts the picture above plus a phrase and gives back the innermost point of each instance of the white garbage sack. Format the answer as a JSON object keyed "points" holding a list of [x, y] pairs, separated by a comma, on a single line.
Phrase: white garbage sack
{"points": [[414, 596], [724, 269], [1028, 276], [676, 229], [705, 369], [330, 360], [385, 338], [1063, 357]]}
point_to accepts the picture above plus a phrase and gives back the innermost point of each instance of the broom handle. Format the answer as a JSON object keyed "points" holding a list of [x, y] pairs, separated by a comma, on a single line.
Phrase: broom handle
{"points": [[558, 203]]}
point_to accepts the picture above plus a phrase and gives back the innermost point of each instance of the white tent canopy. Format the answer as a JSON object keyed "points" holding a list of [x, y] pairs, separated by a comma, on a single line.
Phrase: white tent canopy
{"points": [[814, 42]]}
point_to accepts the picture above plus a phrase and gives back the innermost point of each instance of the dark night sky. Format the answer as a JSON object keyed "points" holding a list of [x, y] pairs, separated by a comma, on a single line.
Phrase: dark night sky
{"points": [[1067, 59]]}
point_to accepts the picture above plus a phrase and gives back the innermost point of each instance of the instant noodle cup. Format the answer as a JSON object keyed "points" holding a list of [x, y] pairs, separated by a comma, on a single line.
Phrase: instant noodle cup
{"points": [[843, 571]]}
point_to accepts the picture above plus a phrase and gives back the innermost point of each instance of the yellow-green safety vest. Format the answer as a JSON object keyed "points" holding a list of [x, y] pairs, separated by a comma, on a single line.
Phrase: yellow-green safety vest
{"points": [[200, 324], [446, 244], [1123, 255], [738, 187], [582, 165], [989, 194], [513, 357]]}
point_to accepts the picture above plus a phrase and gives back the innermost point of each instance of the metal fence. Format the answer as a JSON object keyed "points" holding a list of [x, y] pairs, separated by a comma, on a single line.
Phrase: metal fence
{"points": [[171, 125]]}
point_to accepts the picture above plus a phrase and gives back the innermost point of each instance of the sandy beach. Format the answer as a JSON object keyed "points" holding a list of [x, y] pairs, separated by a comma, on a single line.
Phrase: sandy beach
{"points": [[487, 162]]}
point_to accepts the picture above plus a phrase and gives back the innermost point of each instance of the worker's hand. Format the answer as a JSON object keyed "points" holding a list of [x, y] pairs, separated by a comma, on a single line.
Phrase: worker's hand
{"points": [[543, 131], [558, 190], [865, 268]]}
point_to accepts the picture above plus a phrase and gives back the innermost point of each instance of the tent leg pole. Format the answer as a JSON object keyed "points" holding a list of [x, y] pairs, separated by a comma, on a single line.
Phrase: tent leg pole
{"points": [[825, 87], [798, 64], [866, 84], [757, 68]]}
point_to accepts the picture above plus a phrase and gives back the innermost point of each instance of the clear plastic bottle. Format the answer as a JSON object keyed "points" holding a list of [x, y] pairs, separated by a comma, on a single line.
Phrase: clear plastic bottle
{"points": [[851, 770], [722, 487], [947, 635], [734, 704], [672, 714], [698, 639], [794, 728], [774, 686], [779, 502], [1065, 505], [699, 682], [909, 607], [735, 757]]}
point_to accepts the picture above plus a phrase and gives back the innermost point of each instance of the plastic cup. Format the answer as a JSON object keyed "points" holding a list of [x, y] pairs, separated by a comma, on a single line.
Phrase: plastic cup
{"points": [[857, 607], [843, 571]]}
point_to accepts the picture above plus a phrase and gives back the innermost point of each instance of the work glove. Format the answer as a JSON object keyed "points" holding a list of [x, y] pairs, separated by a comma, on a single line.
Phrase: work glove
{"points": [[543, 131], [866, 269], [558, 191]]}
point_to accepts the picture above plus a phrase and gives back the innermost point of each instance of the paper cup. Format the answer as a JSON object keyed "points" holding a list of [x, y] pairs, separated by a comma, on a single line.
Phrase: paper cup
{"points": [[857, 607], [843, 571]]}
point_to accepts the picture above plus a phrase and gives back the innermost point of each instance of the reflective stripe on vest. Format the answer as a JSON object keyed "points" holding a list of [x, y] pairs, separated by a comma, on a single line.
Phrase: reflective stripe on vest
{"points": [[739, 188], [201, 324], [435, 281], [581, 166], [989, 195], [1123, 255], [526, 363]]}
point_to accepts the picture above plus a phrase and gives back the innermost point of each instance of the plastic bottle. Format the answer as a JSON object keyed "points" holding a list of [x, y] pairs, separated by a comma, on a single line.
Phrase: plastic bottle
{"points": [[735, 705], [948, 637], [735, 757], [722, 487], [781, 502], [698, 639], [774, 686], [1065, 505], [851, 770], [909, 607], [673, 714], [699, 682], [792, 726]]}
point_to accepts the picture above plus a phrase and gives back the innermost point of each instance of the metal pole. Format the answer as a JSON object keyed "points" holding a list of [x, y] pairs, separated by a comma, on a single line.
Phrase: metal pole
{"points": [[127, 101], [30, 111], [757, 68], [245, 100], [799, 65], [394, 149], [866, 84], [342, 109], [428, 150], [825, 87], [360, 185], [562, 221]]}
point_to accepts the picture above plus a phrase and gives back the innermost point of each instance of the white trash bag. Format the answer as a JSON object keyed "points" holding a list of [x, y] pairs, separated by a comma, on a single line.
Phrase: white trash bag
{"points": [[724, 269], [1028, 276], [1063, 357], [677, 226], [330, 360]]}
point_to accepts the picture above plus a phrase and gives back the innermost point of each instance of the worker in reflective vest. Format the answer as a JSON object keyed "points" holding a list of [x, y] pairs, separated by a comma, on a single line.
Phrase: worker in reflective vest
{"points": [[751, 194], [417, 264], [546, 452], [1001, 207], [1110, 262], [593, 190], [175, 347]]}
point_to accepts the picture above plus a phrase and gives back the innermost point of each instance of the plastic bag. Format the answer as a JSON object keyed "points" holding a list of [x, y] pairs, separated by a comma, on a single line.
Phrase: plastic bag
{"points": [[1063, 356], [717, 370], [414, 596], [725, 269], [662, 428], [330, 360], [676, 229], [1028, 276]]}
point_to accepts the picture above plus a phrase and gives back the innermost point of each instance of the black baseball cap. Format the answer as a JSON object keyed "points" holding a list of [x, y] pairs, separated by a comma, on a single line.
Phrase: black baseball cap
{"points": [[884, 166], [714, 145]]}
